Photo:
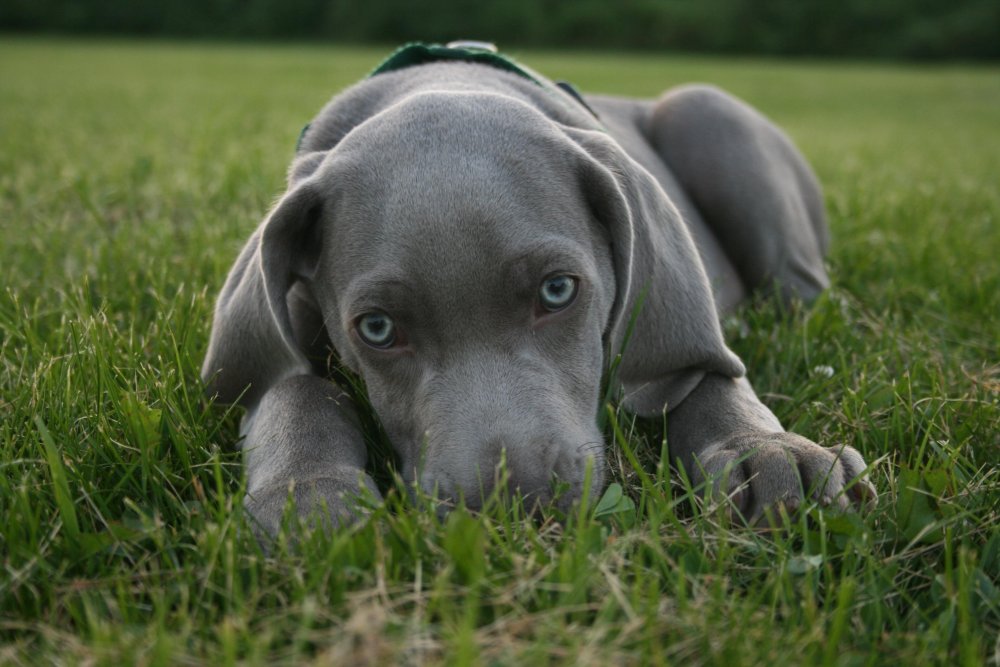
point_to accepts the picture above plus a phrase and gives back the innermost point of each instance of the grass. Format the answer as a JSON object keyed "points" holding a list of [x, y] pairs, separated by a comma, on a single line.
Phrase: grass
{"points": [[130, 175]]}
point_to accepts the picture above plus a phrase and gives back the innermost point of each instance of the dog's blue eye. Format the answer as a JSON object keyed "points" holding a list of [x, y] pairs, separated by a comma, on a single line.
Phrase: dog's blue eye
{"points": [[377, 329], [557, 292]]}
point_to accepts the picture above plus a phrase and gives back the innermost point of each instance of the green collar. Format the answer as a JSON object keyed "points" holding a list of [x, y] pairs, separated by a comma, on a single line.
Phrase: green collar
{"points": [[418, 53]]}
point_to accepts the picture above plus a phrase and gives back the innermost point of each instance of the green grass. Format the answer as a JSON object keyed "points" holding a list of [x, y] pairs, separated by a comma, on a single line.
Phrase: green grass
{"points": [[131, 174]]}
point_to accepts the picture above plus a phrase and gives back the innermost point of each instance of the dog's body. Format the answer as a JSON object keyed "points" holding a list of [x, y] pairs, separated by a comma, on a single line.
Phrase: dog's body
{"points": [[474, 242]]}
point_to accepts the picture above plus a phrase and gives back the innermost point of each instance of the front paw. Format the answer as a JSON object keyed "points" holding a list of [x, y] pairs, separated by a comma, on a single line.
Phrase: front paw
{"points": [[764, 471], [327, 502]]}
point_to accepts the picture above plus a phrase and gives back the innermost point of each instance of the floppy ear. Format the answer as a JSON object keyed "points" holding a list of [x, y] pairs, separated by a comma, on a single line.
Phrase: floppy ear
{"points": [[252, 345], [659, 280]]}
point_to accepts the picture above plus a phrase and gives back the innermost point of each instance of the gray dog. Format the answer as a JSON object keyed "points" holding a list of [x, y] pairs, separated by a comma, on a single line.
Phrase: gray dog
{"points": [[474, 241]]}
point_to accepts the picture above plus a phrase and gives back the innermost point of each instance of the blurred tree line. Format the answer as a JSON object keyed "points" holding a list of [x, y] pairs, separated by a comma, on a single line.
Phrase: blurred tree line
{"points": [[966, 29]]}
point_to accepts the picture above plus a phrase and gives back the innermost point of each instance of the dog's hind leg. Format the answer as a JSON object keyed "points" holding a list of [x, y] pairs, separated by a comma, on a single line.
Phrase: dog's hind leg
{"points": [[753, 188]]}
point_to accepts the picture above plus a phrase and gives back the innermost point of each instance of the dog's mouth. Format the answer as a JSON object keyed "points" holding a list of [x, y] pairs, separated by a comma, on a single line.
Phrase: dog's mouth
{"points": [[501, 488]]}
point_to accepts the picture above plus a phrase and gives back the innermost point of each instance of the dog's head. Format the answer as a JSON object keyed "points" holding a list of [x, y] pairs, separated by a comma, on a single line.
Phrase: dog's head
{"points": [[475, 263]]}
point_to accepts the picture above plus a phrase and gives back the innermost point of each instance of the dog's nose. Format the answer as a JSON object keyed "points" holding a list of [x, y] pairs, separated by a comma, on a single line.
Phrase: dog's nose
{"points": [[522, 468]]}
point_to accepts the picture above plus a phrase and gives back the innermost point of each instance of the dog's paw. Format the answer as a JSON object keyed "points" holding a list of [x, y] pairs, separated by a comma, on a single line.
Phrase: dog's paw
{"points": [[782, 469], [325, 503]]}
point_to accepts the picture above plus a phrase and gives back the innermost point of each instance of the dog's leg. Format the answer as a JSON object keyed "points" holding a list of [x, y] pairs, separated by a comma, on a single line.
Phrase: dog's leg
{"points": [[724, 437], [752, 186], [302, 439]]}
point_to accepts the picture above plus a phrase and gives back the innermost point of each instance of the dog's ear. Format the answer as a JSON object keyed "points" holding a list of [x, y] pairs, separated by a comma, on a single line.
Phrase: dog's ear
{"points": [[252, 345], [660, 282]]}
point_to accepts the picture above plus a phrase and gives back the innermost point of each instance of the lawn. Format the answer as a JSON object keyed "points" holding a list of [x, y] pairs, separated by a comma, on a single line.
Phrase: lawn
{"points": [[131, 174]]}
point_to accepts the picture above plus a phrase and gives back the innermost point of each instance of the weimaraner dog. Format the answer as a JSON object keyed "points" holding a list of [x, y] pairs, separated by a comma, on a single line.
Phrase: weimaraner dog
{"points": [[474, 242]]}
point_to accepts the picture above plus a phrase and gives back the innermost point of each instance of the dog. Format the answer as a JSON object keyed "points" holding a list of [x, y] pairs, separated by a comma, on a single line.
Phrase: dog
{"points": [[477, 243]]}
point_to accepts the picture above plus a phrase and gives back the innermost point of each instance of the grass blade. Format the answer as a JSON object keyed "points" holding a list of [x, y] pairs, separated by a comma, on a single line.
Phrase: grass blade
{"points": [[60, 483]]}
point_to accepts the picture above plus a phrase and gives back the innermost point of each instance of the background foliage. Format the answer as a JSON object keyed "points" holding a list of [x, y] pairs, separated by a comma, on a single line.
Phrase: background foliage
{"points": [[967, 29]]}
